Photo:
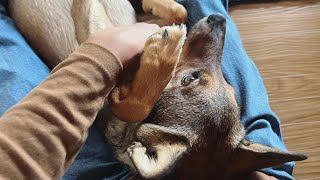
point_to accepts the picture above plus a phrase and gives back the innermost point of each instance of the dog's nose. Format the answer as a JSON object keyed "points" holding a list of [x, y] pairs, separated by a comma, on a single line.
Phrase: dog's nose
{"points": [[216, 19]]}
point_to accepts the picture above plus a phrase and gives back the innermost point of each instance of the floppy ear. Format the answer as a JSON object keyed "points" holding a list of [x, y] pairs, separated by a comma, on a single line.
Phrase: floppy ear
{"points": [[251, 156]]}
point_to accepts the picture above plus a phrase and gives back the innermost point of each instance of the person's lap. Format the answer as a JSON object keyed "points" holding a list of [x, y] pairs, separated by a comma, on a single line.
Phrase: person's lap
{"points": [[21, 70]]}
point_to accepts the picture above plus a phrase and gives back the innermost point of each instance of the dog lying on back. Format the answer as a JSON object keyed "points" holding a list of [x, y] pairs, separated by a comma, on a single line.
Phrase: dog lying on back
{"points": [[191, 126], [194, 129]]}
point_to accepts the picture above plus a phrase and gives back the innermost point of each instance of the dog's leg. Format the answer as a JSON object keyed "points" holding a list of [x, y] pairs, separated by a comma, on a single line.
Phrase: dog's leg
{"points": [[161, 53], [152, 167], [169, 10], [89, 16], [159, 150]]}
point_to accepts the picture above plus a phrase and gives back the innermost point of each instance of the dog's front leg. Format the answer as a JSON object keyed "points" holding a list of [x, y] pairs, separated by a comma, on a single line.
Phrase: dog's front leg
{"points": [[158, 150], [89, 16], [161, 53], [149, 166]]}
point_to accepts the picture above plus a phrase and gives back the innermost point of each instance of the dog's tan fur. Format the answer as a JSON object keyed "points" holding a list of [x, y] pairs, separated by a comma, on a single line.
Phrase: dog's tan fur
{"points": [[194, 119], [175, 14], [89, 16], [135, 101], [50, 26]]}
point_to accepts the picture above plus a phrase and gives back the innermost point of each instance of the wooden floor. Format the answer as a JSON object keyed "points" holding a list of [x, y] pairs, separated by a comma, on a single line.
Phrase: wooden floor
{"points": [[283, 38]]}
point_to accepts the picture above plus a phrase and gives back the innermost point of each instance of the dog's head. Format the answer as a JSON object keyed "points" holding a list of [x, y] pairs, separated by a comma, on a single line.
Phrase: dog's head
{"points": [[197, 111], [198, 99], [200, 104]]}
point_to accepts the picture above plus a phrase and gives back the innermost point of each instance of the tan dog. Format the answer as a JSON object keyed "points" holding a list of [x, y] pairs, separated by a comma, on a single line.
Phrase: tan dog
{"points": [[194, 129]]}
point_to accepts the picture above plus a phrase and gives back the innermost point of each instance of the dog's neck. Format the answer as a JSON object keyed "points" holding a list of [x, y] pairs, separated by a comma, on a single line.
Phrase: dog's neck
{"points": [[211, 156], [205, 162]]}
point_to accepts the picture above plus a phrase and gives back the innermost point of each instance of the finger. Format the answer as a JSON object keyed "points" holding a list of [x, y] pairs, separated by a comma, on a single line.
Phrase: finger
{"points": [[148, 29]]}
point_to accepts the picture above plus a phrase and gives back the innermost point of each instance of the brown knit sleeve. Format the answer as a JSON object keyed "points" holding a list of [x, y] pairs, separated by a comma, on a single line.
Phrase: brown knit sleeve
{"points": [[42, 134]]}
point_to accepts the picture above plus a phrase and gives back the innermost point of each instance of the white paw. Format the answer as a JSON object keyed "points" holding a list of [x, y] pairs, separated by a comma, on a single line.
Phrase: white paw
{"points": [[135, 149]]}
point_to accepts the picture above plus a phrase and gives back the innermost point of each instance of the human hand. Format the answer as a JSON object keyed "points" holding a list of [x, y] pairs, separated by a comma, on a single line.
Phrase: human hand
{"points": [[124, 42]]}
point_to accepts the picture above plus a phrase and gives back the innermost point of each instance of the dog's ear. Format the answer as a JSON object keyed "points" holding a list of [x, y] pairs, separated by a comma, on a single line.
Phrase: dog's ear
{"points": [[251, 156]]}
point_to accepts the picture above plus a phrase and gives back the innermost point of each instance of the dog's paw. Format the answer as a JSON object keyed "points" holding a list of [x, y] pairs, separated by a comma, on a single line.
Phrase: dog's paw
{"points": [[170, 11], [138, 154], [136, 149], [176, 14], [158, 161], [142, 161], [164, 47], [175, 34]]}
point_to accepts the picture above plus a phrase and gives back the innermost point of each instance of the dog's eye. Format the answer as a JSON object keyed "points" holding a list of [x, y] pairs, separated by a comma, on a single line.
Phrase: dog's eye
{"points": [[189, 78]]}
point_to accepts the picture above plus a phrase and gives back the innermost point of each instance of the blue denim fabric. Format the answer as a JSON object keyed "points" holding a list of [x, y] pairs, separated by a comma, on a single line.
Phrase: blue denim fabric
{"points": [[21, 70]]}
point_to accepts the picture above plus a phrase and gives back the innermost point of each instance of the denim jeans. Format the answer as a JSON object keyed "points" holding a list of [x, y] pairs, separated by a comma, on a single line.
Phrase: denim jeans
{"points": [[21, 70]]}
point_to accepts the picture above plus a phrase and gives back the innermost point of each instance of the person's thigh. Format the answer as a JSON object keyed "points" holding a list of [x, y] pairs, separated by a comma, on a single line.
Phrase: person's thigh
{"points": [[96, 161], [261, 124]]}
